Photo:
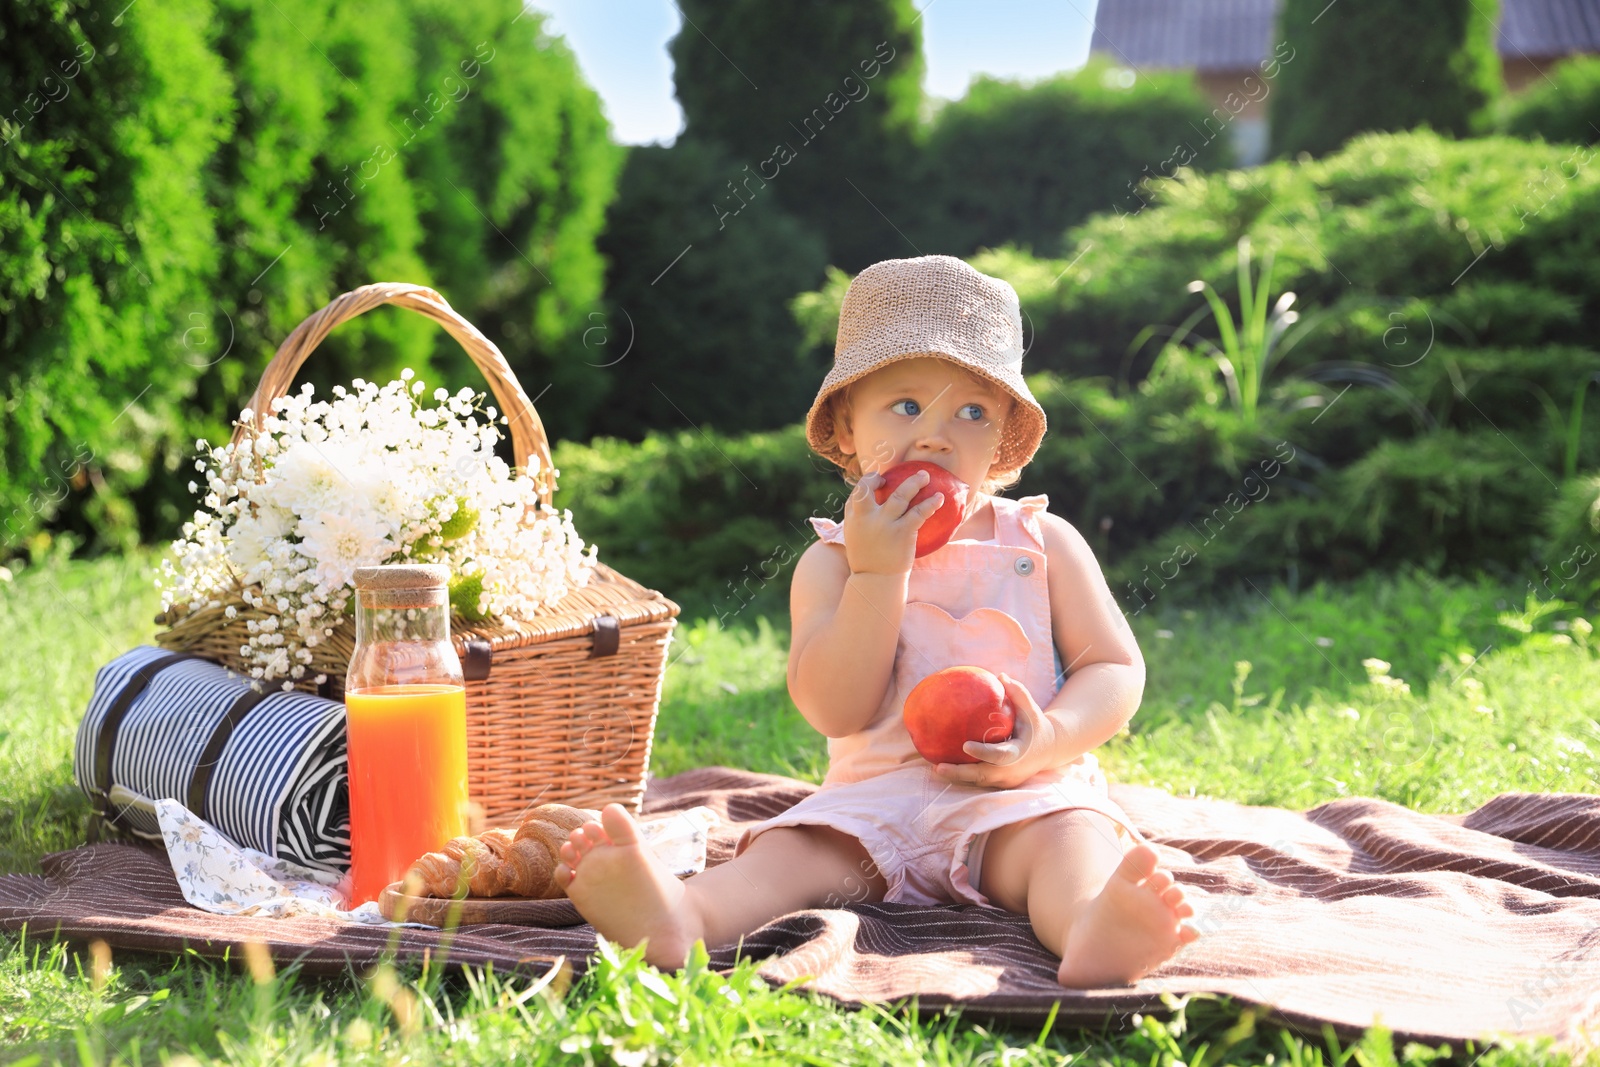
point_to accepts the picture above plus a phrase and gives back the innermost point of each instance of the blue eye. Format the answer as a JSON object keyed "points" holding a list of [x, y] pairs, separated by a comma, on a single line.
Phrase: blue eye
{"points": [[912, 408]]}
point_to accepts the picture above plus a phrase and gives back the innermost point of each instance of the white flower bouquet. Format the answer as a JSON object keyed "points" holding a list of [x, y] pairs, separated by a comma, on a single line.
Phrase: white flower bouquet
{"points": [[372, 476]]}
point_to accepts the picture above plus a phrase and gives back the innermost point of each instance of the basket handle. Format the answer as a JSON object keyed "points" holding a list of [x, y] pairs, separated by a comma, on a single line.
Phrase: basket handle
{"points": [[528, 439]]}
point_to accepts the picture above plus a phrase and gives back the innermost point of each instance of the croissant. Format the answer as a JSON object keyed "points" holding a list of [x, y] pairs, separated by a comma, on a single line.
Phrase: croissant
{"points": [[500, 862]]}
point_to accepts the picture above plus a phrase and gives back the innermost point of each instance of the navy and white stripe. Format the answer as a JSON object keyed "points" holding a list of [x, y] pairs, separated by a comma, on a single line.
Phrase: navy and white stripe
{"points": [[315, 824], [279, 785], [285, 738], [108, 682], [159, 744]]}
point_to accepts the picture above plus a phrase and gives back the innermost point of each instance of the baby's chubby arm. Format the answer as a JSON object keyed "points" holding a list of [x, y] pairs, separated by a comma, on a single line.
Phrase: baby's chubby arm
{"points": [[846, 606], [1105, 669]]}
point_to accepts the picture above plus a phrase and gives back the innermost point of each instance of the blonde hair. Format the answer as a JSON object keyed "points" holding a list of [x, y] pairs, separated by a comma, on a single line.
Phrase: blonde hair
{"points": [[838, 404]]}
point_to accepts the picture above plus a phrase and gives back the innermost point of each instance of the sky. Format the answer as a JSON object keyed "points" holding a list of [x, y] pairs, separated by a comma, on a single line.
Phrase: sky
{"points": [[621, 46]]}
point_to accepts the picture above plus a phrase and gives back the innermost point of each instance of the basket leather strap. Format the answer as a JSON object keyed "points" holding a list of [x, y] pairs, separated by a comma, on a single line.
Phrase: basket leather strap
{"points": [[607, 636], [479, 659], [200, 780], [107, 738]]}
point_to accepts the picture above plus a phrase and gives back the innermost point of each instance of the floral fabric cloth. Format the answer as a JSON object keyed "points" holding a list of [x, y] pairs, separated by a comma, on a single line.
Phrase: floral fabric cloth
{"points": [[219, 876]]}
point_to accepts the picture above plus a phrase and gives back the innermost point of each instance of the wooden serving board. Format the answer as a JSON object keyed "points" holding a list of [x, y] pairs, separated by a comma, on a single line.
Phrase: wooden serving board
{"points": [[441, 911]]}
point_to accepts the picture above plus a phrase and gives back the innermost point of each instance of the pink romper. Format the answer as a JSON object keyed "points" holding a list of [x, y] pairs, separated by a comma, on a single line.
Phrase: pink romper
{"points": [[979, 603]]}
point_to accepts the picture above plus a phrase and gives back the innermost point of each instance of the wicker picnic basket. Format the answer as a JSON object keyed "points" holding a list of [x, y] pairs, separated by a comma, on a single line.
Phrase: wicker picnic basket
{"points": [[560, 708]]}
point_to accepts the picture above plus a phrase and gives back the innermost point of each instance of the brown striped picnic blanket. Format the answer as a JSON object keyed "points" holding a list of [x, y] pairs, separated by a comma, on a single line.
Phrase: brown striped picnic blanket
{"points": [[1358, 911]]}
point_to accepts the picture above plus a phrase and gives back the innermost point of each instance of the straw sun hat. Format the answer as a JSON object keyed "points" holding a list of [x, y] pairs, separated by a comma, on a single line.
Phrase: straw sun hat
{"points": [[931, 306]]}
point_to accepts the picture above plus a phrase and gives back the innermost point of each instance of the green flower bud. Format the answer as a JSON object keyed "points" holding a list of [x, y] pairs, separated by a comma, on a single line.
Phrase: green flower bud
{"points": [[461, 523], [465, 589]]}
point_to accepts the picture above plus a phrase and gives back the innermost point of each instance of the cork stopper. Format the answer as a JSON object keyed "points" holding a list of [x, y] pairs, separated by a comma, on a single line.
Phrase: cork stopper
{"points": [[403, 585], [403, 576]]}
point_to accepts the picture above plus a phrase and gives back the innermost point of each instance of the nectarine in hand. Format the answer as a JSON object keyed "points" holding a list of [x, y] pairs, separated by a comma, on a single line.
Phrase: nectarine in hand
{"points": [[937, 529], [951, 707]]}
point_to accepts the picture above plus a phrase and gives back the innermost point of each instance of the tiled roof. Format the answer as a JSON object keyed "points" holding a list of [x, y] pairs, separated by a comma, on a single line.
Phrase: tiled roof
{"points": [[1199, 34], [1540, 28], [1235, 34]]}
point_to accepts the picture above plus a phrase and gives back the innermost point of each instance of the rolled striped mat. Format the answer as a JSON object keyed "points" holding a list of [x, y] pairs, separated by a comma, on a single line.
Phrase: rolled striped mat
{"points": [[264, 766]]}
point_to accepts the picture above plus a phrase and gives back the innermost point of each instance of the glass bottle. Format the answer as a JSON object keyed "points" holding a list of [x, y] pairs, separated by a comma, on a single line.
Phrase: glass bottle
{"points": [[406, 721]]}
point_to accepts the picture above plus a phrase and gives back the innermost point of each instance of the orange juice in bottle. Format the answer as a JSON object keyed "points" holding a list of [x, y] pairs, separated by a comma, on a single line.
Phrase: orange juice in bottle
{"points": [[406, 721]]}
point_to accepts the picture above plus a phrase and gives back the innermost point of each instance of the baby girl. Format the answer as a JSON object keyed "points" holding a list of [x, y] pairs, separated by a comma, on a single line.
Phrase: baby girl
{"points": [[928, 366]]}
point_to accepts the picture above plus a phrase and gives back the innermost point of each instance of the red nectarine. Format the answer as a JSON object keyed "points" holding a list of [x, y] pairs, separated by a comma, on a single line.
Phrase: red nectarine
{"points": [[937, 529], [956, 705]]}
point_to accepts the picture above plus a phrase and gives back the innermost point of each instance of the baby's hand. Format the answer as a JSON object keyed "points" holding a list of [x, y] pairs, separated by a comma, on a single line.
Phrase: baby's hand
{"points": [[1031, 748], [882, 538]]}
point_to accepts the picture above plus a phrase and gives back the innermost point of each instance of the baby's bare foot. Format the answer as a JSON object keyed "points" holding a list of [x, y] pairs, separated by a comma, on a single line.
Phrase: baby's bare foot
{"points": [[624, 891], [1132, 927]]}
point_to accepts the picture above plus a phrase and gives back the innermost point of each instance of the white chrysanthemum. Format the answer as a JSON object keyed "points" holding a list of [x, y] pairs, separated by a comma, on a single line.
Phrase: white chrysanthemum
{"points": [[252, 536], [311, 477], [338, 544]]}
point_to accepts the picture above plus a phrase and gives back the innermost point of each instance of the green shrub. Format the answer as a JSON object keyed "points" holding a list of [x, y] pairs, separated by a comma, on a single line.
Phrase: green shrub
{"points": [[714, 521], [817, 107], [1510, 311], [710, 237], [182, 185], [512, 189], [1430, 399], [1014, 162], [1391, 217], [473, 158], [709, 340], [1448, 497], [1569, 567], [106, 247], [1564, 105], [1368, 65]]}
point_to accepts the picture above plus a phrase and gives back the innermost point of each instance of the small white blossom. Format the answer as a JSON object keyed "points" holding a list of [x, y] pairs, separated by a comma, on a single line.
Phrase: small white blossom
{"points": [[1378, 675]]}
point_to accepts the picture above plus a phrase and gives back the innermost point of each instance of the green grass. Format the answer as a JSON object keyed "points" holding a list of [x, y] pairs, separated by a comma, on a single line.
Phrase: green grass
{"points": [[1262, 699], [1303, 723]]}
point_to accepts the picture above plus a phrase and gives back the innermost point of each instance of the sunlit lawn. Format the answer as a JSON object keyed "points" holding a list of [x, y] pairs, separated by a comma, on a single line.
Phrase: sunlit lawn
{"points": [[1263, 699]]}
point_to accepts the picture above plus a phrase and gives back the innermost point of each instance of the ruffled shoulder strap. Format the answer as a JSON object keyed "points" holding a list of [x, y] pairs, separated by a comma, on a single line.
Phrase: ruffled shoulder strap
{"points": [[828, 530], [1019, 519]]}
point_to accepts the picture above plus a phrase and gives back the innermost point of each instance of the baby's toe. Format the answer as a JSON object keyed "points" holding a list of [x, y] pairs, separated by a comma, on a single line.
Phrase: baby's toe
{"points": [[618, 826], [1138, 863], [580, 844], [1159, 881]]}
